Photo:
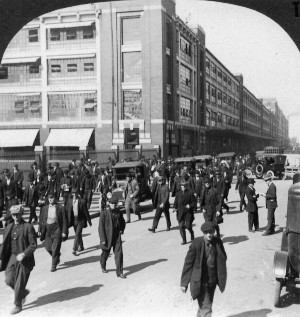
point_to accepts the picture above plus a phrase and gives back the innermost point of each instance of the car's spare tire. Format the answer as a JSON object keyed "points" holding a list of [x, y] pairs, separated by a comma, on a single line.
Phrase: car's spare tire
{"points": [[259, 171]]}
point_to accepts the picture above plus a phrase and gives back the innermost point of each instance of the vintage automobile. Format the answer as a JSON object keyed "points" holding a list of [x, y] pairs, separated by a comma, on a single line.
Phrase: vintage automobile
{"points": [[228, 156], [286, 265], [292, 165], [271, 162], [135, 167]]}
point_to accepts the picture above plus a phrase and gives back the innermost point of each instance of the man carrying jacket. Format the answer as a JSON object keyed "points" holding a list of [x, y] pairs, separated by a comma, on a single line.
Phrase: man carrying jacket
{"points": [[204, 268], [161, 203], [16, 255]]}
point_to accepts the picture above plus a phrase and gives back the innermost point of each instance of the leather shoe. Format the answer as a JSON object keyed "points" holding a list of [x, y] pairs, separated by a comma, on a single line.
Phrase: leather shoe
{"points": [[140, 217], [26, 292], [151, 229], [53, 269], [266, 234], [104, 270], [16, 310], [74, 252], [183, 242], [128, 221], [253, 231], [121, 275], [168, 229]]}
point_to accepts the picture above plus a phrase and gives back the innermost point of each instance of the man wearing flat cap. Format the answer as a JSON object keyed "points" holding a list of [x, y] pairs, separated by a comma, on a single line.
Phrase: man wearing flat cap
{"points": [[53, 229], [184, 205], [16, 255], [161, 203], [77, 217], [252, 208], [204, 268], [111, 226], [271, 203]]}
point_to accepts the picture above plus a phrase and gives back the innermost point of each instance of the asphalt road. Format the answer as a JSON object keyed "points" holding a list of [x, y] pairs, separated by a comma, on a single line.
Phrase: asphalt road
{"points": [[153, 264]]}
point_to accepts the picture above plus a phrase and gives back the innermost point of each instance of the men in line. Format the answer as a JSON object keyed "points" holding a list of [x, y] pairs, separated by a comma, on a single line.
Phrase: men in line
{"points": [[184, 205], [111, 227], [77, 217], [16, 256], [18, 178], [252, 208], [204, 268], [132, 197], [31, 198], [209, 202], [271, 204], [161, 203], [52, 229]]}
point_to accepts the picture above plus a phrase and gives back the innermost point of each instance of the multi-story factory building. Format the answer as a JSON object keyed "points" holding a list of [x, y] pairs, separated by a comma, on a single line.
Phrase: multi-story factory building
{"points": [[125, 74]]}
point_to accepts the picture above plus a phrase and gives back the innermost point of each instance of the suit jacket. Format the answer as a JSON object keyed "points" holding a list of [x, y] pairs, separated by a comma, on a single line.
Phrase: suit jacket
{"points": [[106, 228], [271, 197], [18, 178], [241, 183], [61, 219], [209, 200], [176, 187], [162, 197], [26, 241], [134, 188], [192, 271], [31, 196], [182, 199], [50, 185], [11, 187], [252, 200], [83, 214]]}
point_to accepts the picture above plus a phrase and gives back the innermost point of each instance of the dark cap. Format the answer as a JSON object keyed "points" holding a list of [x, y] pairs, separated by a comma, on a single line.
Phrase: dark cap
{"points": [[74, 190], [208, 226], [51, 195], [66, 171], [56, 164], [183, 183], [206, 180]]}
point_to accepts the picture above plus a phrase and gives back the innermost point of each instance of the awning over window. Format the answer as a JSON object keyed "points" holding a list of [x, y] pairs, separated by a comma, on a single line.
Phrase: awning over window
{"points": [[18, 137], [68, 25], [69, 137], [20, 60]]}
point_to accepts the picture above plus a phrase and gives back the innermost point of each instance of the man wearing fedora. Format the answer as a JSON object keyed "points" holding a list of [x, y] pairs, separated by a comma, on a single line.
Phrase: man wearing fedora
{"points": [[16, 255], [252, 208], [31, 198], [161, 203], [184, 205], [77, 217], [111, 227], [53, 229], [271, 203], [204, 268]]}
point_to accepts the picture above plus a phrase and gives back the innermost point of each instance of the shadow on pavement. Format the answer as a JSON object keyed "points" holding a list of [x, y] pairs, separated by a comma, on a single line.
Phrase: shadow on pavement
{"points": [[83, 235], [79, 261], [253, 313], [138, 267], [234, 212], [235, 240], [64, 295]]}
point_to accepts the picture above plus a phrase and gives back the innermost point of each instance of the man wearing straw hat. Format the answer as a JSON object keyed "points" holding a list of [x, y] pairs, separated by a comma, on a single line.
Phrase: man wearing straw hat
{"points": [[16, 255]]}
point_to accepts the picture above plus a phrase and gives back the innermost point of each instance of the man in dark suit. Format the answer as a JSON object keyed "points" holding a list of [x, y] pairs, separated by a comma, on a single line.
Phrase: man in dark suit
{"points": [[87, 187], [204, 268], [161, 203], [184, 205], [102, 187], [241, 186], [252, 206], [16, 256], [31, 198], [111, 226], [77, 217], [209, 202], [58, 175], [66, 183], [18, 178], [53, 229], [33, 172], [271, 204], [10, 185]]}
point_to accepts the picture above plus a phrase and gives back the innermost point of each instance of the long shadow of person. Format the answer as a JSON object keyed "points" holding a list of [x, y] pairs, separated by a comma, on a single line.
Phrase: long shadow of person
{"points": [[138, 267], [64, 295], [253, 313], [79, 261], [235, 240]]}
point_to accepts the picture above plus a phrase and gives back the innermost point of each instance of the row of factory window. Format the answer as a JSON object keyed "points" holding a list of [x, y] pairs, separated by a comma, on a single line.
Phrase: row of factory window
{"points": [[248, 127], [216, 95], [214, 119], [252, 101], [222, 77], [251, 114]]}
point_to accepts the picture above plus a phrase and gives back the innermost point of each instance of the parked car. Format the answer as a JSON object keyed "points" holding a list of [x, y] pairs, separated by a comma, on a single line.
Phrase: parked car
{"points": [[271, 162]]}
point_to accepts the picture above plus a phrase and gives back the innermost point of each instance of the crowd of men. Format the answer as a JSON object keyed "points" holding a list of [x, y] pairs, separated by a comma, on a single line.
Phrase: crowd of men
{"points": [[206, 185]]}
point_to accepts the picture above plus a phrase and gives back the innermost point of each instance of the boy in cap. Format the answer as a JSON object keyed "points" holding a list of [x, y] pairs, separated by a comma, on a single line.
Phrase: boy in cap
{"points": [[111, 226], [16, 255], [205, 268], [271, 203], [252, 208]]}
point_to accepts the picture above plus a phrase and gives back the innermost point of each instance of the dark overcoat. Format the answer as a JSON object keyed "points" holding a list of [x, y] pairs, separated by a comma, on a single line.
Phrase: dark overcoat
{"points": [[162, 197], [252, 200], [31, 196], [271, 197], [26, 241], [193, 266], [211, 202], [106, 229], [83, 214], [182, 199]]}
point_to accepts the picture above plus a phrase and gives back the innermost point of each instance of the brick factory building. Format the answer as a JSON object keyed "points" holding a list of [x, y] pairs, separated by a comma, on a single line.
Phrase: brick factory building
{"points": [[126, 75]]}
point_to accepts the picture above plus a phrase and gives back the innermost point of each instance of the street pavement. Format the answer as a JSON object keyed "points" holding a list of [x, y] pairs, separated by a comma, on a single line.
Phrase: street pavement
{"points": [[153, 264]]}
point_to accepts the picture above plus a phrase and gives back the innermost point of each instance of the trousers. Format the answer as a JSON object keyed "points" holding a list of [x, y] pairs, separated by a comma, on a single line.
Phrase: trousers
{"points": [[205, 300], [53, 241], [16, 277], [78, 242], [253, 220], [271, 220], [131, 204], [157, 216]]}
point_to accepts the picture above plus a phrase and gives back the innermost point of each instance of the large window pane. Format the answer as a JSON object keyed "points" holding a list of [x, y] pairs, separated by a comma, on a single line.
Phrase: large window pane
{"points": [[131, 30], [132, 67], [132, 104]]}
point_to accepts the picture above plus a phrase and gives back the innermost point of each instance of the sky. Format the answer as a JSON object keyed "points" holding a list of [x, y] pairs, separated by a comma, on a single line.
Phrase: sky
{"points": [[250, 43]]}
